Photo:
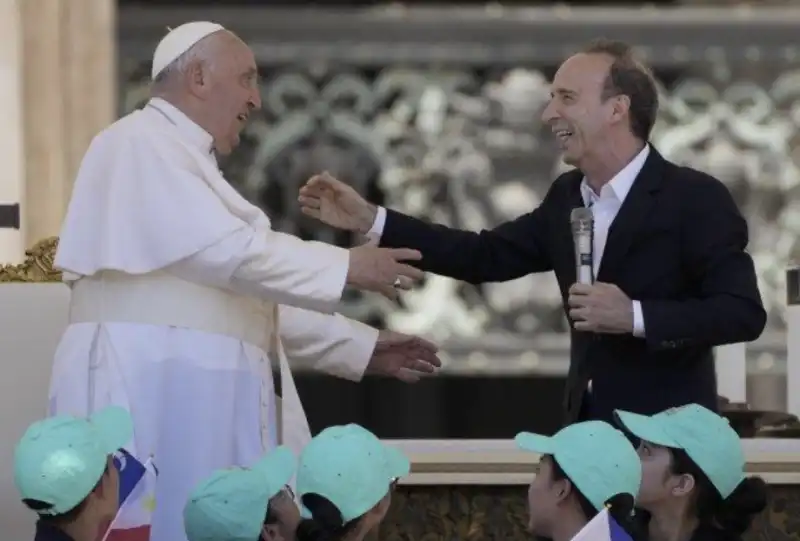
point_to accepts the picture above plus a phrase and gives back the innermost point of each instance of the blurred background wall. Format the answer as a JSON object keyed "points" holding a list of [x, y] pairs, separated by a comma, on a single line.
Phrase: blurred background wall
{"points": [[433, 109]]}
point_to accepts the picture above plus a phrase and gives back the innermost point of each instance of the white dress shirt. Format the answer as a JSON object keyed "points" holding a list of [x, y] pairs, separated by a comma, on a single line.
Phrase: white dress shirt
{"points": [[605, 207]]}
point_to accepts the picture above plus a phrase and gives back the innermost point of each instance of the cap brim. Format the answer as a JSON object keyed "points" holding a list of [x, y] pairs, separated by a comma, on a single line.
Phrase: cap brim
{"points": [[279, 467], [536, 443], [115, 426], [396, 462], [645, 428]]}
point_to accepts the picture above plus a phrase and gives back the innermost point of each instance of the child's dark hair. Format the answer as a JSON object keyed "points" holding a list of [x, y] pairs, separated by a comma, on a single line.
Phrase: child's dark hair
{"points": [[326, 522], [64, 518], [734, 514], [620, 506]]}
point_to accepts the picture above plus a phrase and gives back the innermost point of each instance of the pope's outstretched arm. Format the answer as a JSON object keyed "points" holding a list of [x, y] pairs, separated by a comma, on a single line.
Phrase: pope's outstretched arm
{"points": [[143, 202], [329, 343], [271, 265], [332, 344]]}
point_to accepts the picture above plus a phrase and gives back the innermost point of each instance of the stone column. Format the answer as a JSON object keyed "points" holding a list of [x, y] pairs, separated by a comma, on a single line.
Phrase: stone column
{"points": [[70, 77], [12, 157]]}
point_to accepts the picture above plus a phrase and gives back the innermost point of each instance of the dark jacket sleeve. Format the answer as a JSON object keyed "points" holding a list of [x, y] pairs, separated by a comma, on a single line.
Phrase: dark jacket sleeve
{"points": [[509, 251], [727, 306]]}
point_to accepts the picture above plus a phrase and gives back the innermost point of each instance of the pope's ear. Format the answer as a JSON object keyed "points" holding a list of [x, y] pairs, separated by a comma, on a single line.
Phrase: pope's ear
{"points": [[197, 77]]}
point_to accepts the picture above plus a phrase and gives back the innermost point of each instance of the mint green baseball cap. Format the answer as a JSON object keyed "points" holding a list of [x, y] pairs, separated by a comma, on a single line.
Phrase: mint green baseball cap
{"points": [[706, 437], [232, 504], [351, 467], [599, 460], [60, 460]]}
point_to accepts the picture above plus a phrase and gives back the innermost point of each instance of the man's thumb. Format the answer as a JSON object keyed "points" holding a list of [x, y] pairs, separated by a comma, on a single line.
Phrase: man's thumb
{"points": [[330, 181], [370, 240]]}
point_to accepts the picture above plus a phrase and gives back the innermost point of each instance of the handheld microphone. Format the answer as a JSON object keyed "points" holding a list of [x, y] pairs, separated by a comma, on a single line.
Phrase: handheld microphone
{"points": [[582, 221]]}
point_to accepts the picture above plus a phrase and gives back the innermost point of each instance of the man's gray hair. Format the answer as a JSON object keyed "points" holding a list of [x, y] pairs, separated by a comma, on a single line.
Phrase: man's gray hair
{"points": [[199, 51]]}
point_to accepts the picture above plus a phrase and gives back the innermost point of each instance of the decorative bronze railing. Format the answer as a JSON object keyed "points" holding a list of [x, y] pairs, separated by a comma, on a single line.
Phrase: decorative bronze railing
{"points": [[436, 112]]}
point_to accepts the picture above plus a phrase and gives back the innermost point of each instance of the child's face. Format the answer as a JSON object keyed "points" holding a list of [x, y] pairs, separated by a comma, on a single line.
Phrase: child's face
{"points": [[659, 484], [283, 506], [542, 499]]}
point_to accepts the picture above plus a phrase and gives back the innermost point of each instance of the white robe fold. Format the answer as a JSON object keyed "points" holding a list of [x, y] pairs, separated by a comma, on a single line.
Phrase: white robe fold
{"points": [[149, 197]]}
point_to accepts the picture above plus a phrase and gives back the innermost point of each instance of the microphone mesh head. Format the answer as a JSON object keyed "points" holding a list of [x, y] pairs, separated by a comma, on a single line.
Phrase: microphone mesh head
{"points": [[581, 215]]}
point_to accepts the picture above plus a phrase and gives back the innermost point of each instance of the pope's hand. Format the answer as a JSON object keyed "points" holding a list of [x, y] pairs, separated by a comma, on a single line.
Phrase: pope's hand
{"points": [[403, 357], [336, 204], [382, 269]]}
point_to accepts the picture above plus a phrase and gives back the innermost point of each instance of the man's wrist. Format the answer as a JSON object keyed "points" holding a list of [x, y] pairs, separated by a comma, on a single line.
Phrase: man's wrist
{"points": [[368, 219]]}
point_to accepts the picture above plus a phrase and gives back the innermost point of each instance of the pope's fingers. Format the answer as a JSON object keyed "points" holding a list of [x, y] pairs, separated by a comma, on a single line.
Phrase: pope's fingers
{"points": [[407, 376], [407, 272], [404, 282], [421, 366], [390, 292], [405, 254], [429, 358], [426, 344]]}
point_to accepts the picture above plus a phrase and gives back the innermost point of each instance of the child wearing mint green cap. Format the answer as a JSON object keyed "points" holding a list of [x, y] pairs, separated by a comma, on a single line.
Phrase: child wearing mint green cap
{"points": [[693, 482], [64, 471], [345, 480], [245, 504], [583, 468]]}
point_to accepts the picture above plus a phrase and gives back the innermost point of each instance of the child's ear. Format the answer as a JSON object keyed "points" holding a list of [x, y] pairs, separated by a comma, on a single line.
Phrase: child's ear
{"points": [[270, 532]]}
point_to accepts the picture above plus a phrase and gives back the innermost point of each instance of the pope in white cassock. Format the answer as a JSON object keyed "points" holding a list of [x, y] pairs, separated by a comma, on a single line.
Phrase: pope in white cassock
{"points": [[183, 296]]}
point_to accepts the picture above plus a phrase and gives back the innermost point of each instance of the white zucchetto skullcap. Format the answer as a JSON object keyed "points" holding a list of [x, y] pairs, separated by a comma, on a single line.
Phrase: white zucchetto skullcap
{"points": [[180, 40]]}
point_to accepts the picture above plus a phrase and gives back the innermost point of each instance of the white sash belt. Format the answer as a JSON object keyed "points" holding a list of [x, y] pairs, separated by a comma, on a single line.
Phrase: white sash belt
{"points": [[166, 300]]}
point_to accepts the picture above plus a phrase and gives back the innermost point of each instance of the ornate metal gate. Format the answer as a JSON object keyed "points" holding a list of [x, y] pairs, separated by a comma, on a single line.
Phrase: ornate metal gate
{"points": [[436, 112]]}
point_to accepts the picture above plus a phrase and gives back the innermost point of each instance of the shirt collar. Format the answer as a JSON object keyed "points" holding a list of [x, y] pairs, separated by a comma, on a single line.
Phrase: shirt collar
{"points": [[188, 128], [621, 183]]}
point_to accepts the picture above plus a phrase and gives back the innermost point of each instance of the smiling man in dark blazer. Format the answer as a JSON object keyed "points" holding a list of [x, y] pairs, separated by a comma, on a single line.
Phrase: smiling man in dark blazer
{"points": [[673, 277]]}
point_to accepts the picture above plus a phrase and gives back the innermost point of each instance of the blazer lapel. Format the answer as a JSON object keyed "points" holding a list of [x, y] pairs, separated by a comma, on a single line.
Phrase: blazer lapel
{"points": [[634, 211]]}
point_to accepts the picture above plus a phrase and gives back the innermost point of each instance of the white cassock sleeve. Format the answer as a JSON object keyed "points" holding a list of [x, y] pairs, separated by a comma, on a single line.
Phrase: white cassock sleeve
{"points": [[332, 344], [271, 267], [142, 203]]}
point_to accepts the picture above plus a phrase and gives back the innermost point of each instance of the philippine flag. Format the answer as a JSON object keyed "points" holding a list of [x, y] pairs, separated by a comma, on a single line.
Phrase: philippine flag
{"points": [[602, 527], [136, 499]]}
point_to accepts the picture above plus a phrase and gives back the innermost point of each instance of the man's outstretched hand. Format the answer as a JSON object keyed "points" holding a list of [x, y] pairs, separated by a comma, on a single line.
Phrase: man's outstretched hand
{"points": [[404, 357], [337, 204], [372, 268]]}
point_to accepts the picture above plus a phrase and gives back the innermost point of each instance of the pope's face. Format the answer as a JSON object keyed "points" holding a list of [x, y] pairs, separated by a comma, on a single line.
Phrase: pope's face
{"points": [[232, 92]]}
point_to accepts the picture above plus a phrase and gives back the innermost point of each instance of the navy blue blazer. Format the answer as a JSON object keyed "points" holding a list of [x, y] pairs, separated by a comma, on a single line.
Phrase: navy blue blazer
{"points": [[677, 245]]}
